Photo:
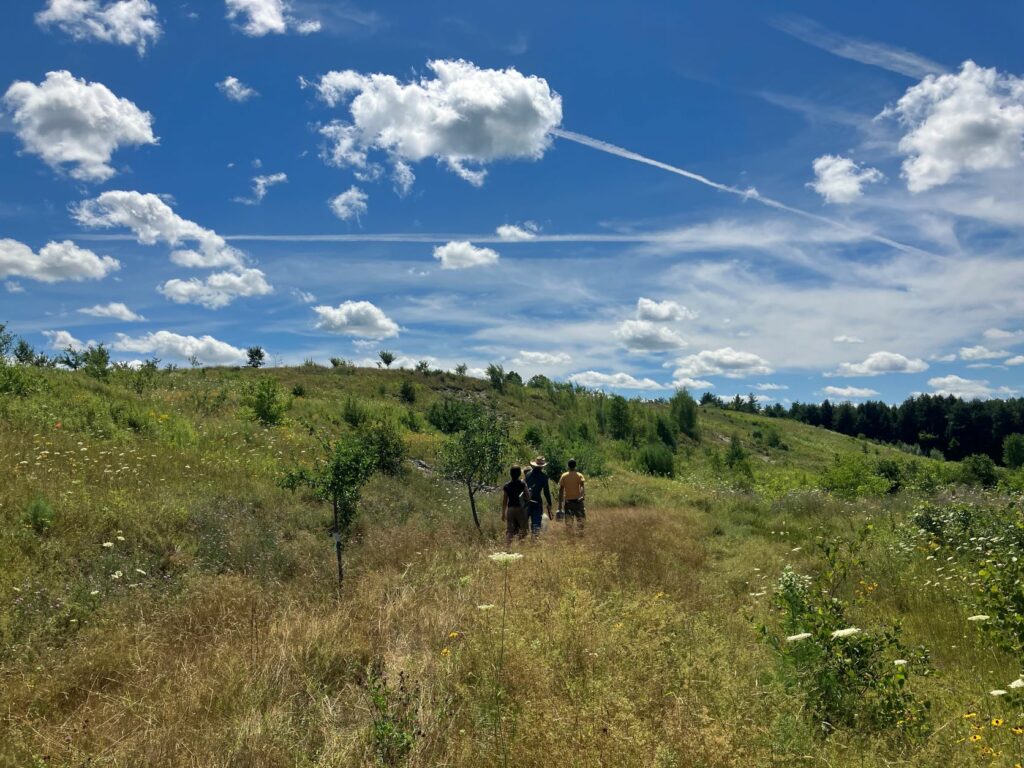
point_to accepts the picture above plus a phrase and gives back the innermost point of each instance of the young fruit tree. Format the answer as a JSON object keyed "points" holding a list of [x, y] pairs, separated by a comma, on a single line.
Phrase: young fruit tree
{"points": [[476, 456], [338, 477]]}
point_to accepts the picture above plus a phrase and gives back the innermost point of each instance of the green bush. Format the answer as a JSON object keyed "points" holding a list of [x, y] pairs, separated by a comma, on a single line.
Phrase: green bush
{"points": [[354, 413], [266, 401], [39, 515], [978, 469], [407, 392], [385, 441], [854, 475], [298, 391], [449, 415], [848, 676], [558, 450], [1013, 451], [656, 459]]}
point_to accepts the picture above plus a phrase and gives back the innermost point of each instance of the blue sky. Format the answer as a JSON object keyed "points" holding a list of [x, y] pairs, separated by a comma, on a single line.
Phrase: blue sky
{"points": [[802, 200]]}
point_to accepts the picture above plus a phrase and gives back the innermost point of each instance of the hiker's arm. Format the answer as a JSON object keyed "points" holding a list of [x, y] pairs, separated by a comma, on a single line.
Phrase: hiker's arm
{"points": [[547, 495], [583, 488]]}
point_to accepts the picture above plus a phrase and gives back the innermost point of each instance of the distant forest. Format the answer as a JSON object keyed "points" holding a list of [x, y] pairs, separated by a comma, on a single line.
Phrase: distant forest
{"points": [[956, 428]]}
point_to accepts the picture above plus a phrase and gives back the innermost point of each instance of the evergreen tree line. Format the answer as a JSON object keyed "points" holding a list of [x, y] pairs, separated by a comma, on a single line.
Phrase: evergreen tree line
{"points": [[927, 424]]}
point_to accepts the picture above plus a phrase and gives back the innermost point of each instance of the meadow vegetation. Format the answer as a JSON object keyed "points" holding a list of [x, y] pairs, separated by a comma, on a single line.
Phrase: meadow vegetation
{"points": [[749, 590]]}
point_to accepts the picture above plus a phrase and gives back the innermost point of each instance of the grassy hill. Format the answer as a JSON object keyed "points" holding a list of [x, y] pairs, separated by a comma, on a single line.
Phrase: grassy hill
{"points": [[165, 601]]}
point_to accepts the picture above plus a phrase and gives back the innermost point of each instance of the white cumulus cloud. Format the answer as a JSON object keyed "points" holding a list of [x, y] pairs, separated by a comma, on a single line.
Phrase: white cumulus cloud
{"points": [[217, 290], [597, 380], [124, 22], [645, 336], [513, 233], [70, 122], [64, 339], [260, 186], [54, 262], [662, 311], [727, 361], [114, 310], [257, 18], [464, 116], [350, 204], [686, 382], [152, 221], [236, 90], [1016, 360], [998, 334], [972, 120], [208, 350], [840, 180], [967, 389], [851, 392], [356, 318], [878, 363], [461, 254]]}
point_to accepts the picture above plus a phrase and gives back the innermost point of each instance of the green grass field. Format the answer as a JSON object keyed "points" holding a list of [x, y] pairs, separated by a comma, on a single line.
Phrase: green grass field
{"points": [[165, 602]]}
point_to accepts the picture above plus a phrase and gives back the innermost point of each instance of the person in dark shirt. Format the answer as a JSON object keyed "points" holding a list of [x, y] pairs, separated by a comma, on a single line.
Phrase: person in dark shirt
{"points": [[515, 496], [537, 483]]}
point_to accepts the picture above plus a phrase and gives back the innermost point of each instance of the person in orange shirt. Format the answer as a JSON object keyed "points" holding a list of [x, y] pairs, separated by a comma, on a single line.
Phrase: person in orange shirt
{"points": [[571, 493]]}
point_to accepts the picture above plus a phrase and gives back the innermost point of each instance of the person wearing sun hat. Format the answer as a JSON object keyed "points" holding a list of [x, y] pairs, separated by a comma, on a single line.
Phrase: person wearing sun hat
{"points": [[537, 482]]}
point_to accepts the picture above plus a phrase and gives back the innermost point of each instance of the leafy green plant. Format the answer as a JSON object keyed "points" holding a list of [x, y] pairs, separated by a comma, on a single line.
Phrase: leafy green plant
{"points": [[407, 392], [450, 415], [337, 476], [39, 515], [849, 677], [267, 402], [395, 715], [656, 460], [475, 457], [385, 441]]}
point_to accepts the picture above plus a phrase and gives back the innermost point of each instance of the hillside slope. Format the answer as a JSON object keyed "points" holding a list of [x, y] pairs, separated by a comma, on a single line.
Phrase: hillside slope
{"points": [[167, 602]]}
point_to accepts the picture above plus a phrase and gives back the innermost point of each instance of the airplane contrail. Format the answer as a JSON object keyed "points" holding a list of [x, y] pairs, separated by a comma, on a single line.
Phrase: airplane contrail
{"points": [[746, 194]]}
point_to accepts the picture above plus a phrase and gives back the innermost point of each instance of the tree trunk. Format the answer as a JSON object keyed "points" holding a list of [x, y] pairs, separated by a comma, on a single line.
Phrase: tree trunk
{"points": [[472, 505], [337, 544]]}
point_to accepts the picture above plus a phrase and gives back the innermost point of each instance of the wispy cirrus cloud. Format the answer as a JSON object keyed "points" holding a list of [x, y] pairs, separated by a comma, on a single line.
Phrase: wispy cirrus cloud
{"points": [[869, 52]]}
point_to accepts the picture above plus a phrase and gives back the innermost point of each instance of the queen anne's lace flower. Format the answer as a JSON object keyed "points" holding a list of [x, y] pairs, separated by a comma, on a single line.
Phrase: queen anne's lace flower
{"points": [[504, 558], [978, 617], [798, 638], [848, 632]]}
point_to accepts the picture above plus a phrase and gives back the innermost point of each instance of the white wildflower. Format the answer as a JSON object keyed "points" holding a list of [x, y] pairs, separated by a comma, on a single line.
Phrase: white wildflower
{"points": [[108, 544], [94, 592], [979, 617], [504, 558], [798, 638], [997, 692], [485, 607], [900, 662], [848, 632], [116, 575], [1018, 683]]}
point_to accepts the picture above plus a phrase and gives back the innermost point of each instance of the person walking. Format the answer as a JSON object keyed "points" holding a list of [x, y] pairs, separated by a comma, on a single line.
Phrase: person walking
{"points": [[571, 494], [515, 496], [537, 483]]}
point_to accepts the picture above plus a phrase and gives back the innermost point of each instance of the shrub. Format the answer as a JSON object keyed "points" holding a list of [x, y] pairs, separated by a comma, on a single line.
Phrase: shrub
{"points": [[298, 391], [978, 469], [533, 436], [558, 450], [266, 401], [407, 392], [655, 459], [342, 364], [854, 475], [664, 433], [1013, 451], [39, 515], [385, 441], [449, 415], [354, 413], [847, 676], [96, 361]]}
